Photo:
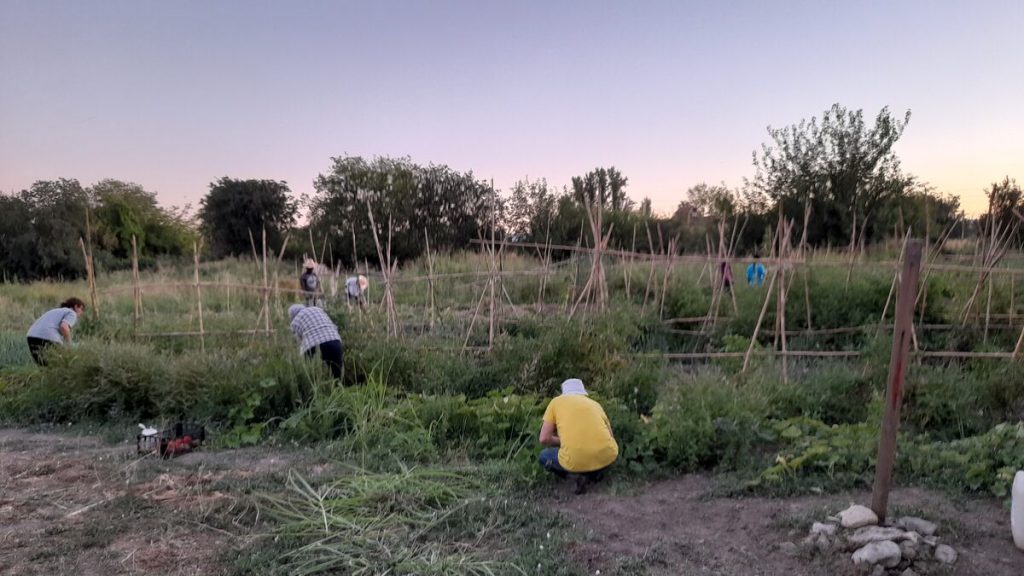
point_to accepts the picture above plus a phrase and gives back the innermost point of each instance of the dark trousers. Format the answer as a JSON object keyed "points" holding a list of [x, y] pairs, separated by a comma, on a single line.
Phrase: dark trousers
{"points": [[36, 347], [549, 461], [332, 354]]}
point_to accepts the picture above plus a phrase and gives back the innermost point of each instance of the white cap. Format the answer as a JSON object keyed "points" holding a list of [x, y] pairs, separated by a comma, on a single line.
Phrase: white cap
{"points": [[573, 386]]}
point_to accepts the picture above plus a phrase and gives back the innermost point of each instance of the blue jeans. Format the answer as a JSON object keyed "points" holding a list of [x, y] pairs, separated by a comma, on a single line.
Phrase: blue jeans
{"points": [[549, 461]]}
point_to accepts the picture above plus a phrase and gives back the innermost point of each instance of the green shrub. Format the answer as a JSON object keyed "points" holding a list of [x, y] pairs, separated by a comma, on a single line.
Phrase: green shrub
{"points": [[707, 422]]}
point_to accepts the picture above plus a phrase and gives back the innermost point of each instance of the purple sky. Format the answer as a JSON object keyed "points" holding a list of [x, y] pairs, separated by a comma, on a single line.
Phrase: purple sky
{"points": [[175, 94]]}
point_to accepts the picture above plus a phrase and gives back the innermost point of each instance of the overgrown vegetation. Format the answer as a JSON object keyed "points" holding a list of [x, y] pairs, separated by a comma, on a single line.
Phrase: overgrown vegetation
{"points": [[424, 424]]}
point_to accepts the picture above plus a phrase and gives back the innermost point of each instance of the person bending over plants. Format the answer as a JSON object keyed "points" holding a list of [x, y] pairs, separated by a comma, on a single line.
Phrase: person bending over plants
{"points": [[53, 328], [578, 437], [314, 330]]}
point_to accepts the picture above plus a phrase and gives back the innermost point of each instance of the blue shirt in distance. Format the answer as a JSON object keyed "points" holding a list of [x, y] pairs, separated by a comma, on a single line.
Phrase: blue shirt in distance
{"points": [[755, 274]]}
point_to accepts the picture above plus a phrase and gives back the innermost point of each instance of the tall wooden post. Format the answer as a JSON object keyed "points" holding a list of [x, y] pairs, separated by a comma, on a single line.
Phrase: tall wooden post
{"points": [[430, 278], [89, 277], [266, 287], [199, 297], [902, 331], [136, 288]]}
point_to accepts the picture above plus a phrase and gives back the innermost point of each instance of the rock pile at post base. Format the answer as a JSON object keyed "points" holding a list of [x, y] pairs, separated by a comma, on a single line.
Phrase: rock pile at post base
{"points": [[908, 546]]}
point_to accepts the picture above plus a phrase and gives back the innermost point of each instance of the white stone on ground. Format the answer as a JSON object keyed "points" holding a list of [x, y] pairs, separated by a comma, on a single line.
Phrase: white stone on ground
{"points": [[821, 528], [945, 554], [876, 534], [908, 572], [856, 516], [908, 549], [886, 553], [919, 525]]}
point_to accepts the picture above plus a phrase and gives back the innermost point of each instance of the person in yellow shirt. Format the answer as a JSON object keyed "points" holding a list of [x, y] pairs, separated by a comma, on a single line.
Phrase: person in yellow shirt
{"points": [[578, 437]]}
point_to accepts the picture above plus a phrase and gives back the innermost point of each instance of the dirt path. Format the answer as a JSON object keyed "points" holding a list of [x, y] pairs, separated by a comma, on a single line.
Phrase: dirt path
{"points": [[74, 504], [675, 527], [77, 505]]}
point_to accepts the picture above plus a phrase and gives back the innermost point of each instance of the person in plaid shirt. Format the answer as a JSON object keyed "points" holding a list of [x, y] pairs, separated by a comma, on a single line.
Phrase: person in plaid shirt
{"points": [[314, 329]]}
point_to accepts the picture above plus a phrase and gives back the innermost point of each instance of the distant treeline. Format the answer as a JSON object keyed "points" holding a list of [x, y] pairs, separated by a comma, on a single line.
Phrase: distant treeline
{"points": [[836, 173]]}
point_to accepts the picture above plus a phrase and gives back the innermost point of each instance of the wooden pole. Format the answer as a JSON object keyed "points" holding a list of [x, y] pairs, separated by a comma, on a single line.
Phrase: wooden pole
{"points": [[547, 264], [277, 269], [781, 299], [136, 289], [895, 280], [490, 331], [628, 268], [88, 275], [894, 388], [91, 269], [1012, 288], [650, 274], [199, 297], [988, 312], [760, 319], [266, 286], [255, 258], [430, 278]]}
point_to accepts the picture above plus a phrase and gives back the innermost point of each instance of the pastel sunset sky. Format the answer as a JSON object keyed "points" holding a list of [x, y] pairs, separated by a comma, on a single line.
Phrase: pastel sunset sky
{"points": [[175, 94]]}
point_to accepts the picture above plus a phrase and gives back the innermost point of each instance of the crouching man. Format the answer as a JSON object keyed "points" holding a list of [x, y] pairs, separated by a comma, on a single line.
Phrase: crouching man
{"points": [[578, 437]]}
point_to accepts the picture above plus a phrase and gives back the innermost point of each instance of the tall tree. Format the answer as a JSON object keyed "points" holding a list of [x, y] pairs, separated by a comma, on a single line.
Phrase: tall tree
{"points": [[452, 207], [125, 209], [604, 186], [233, 209], [41, 227], [846, 170], [529, 210], [1004, 200]]}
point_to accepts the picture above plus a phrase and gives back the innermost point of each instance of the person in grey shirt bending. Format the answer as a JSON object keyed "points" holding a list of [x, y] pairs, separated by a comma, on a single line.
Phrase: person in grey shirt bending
{"points": [[53, 327]]}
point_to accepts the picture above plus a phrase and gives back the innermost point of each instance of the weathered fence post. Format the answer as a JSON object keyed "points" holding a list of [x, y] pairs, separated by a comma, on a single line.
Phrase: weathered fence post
{"points": [[902, 334]]}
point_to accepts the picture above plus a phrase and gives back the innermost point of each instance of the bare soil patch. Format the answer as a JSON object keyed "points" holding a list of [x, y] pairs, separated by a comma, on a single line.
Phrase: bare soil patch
{"points": [[677, 527], [72, 504]]}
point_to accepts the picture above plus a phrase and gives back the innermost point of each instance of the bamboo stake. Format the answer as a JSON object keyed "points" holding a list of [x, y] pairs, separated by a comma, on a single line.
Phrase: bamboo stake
{"points": [[650, 275], [760, 319], [546, 262], [385, 267], [91, 268], [277, 269], [266, 287], [628, 268], [490, 280], [895, 279], [88, 275], [137, 291], [1012, 289], [781, 299], [476, 313], [665, 280], [255, 258], [988, 312], [312, 246], [199, 297], [430, 279]]}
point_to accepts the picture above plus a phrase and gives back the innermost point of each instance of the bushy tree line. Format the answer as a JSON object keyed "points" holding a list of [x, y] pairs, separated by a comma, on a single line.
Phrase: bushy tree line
{"points": [[409, 201], [838, 173], [40, 228]]}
